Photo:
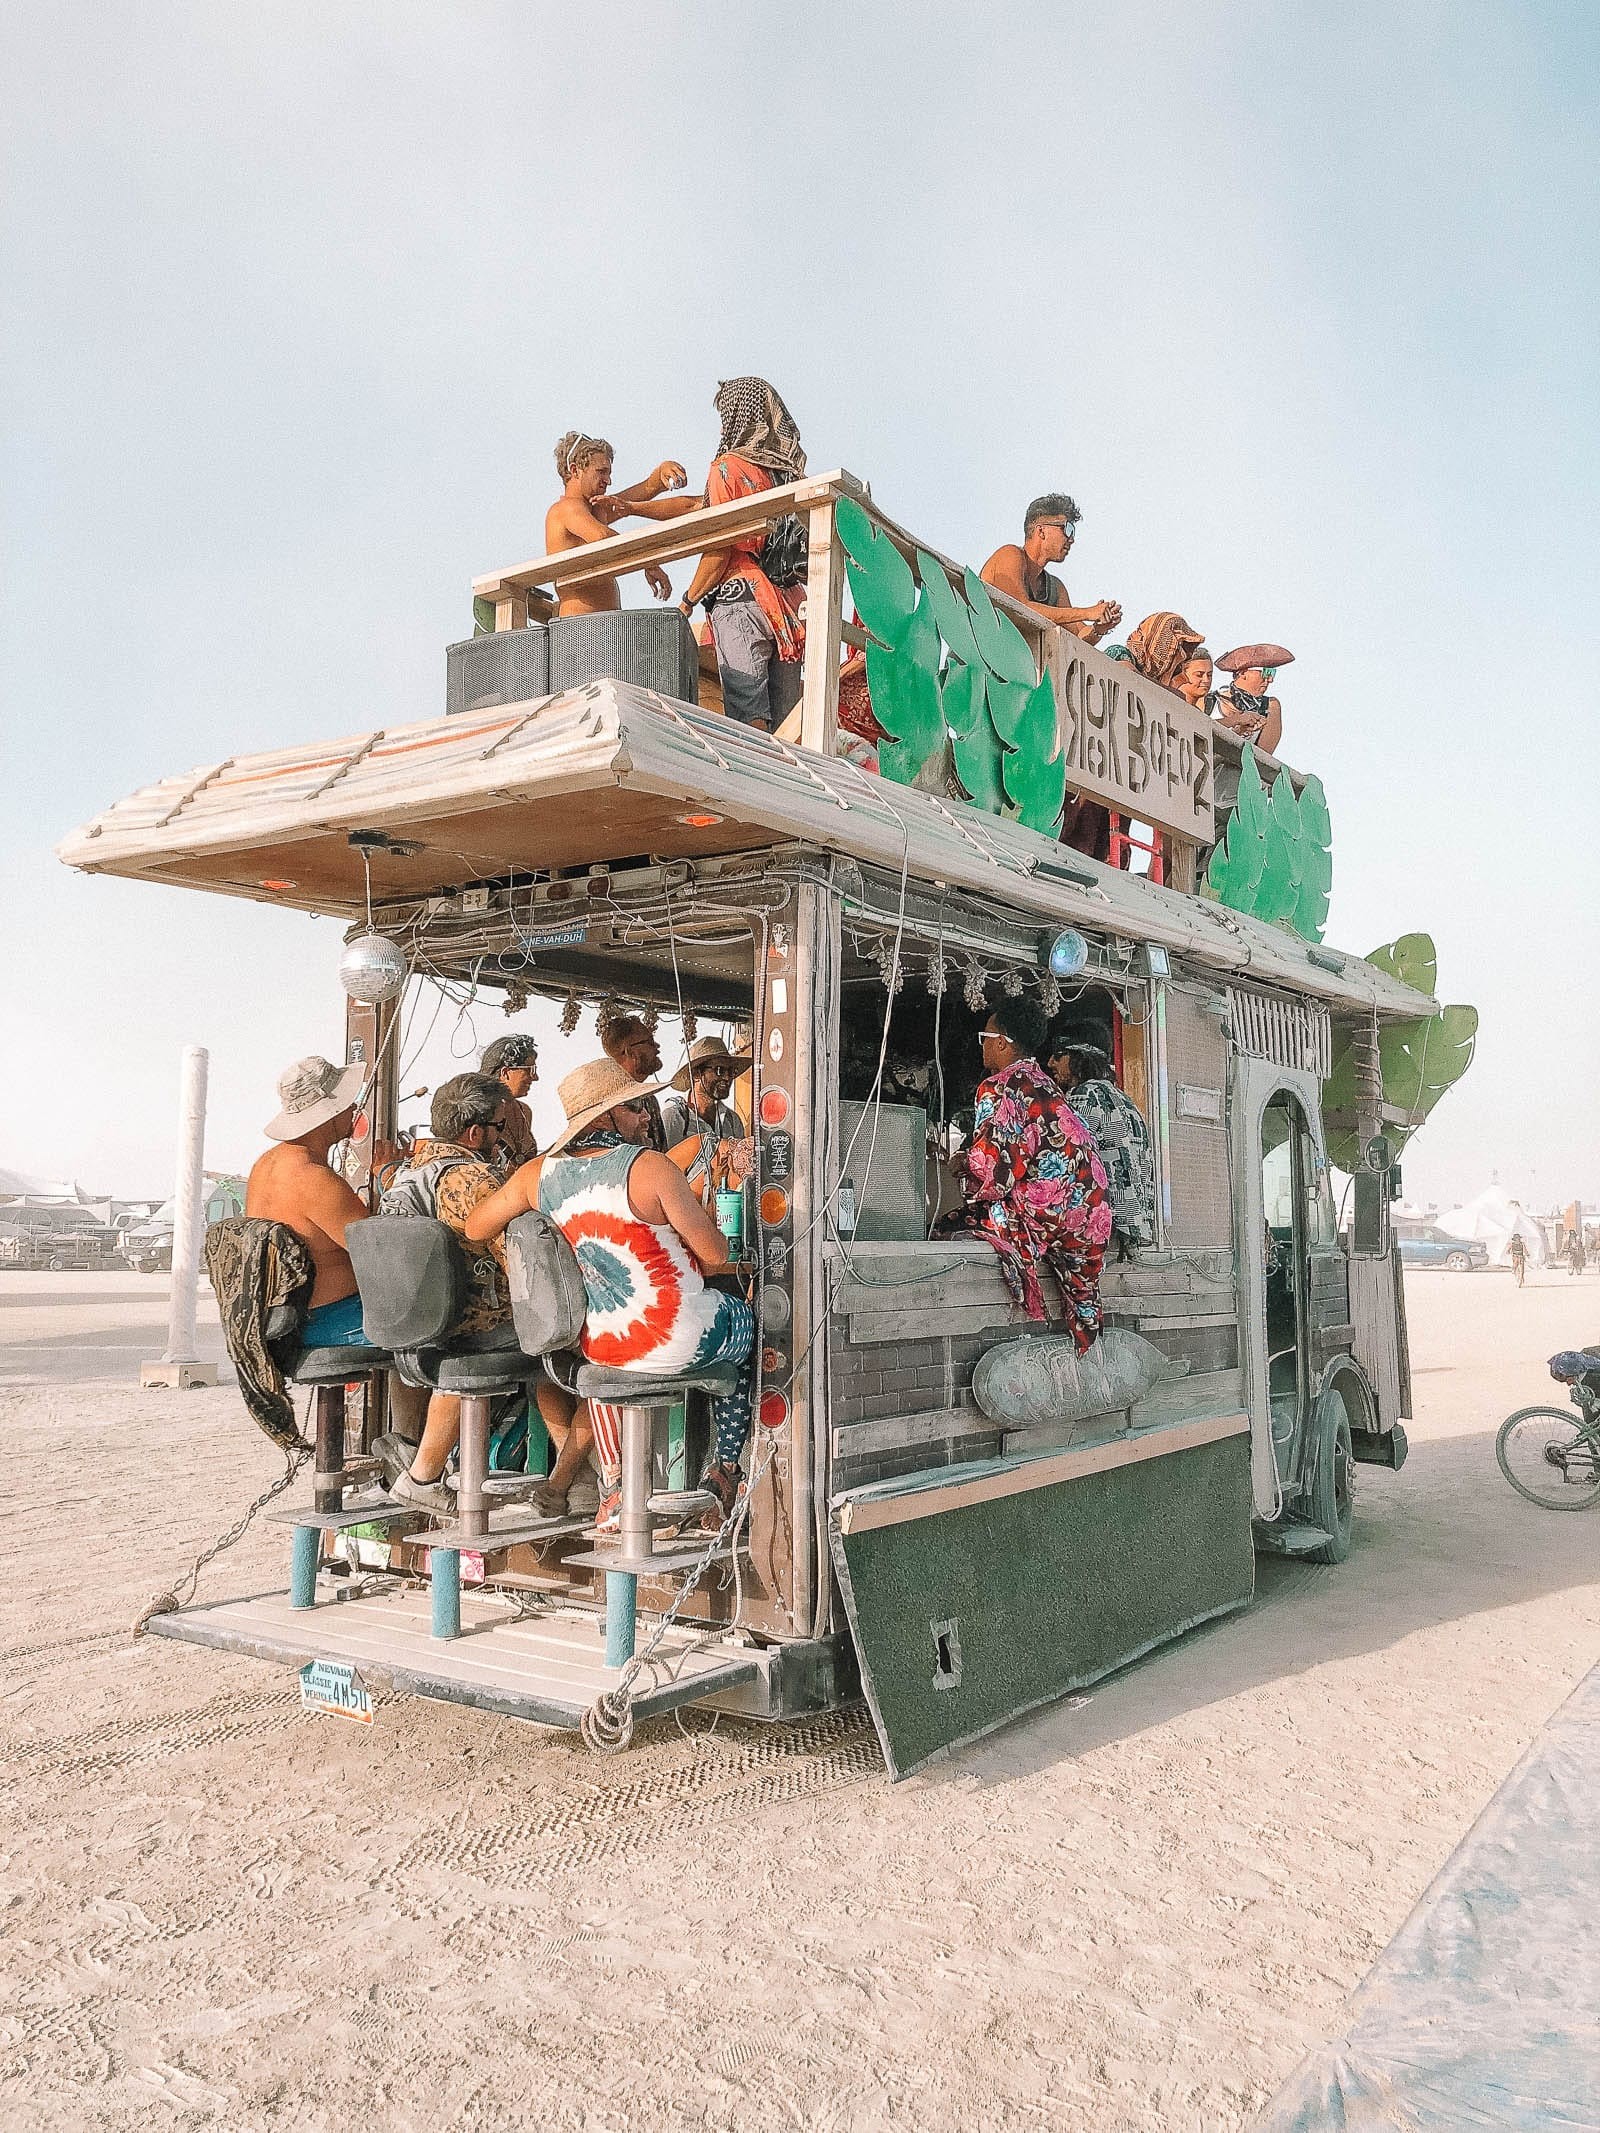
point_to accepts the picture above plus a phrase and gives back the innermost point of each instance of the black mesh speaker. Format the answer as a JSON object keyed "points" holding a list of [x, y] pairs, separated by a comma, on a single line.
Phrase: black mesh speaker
{"points": [[508, 667], [653, 648]]}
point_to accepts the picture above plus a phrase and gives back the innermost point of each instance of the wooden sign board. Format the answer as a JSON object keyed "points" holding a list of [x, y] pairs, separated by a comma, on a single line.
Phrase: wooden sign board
{"points": [[1136, 748]]}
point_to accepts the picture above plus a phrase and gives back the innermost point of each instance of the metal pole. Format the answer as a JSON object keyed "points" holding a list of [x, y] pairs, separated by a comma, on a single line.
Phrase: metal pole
{"points": [[178, 1364], [188, 1205]]}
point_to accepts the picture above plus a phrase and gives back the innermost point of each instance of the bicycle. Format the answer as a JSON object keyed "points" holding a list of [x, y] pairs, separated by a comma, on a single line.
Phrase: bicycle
{"points": [[1547, 1455]]}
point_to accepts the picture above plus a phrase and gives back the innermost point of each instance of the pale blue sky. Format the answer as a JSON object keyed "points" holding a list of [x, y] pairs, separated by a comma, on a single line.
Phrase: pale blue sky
{"points": [[1299, 301]]}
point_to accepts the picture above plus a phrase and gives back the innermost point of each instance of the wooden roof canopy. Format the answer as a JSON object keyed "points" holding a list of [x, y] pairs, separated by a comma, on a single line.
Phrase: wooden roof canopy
{"points": [[609, 772]]}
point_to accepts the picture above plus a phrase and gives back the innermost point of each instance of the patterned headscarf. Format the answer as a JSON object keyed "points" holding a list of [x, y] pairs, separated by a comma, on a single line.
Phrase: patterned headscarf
{"points": [[1162, 646], [757, 426]]}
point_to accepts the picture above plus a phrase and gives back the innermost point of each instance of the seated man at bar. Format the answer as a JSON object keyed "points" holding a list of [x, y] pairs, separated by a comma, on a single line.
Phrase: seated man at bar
{"points": [[630, 1041], [645, 1245], [1244, 707], [293, 1184], [1033, 1184], [1082, 1066], [514, 1060], [585, 512], [1049, 528], [450, 1176], [698, 1110]]}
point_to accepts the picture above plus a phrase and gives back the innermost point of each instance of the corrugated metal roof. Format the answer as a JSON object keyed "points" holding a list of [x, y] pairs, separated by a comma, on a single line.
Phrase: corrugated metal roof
{"points": [[475, 792]]}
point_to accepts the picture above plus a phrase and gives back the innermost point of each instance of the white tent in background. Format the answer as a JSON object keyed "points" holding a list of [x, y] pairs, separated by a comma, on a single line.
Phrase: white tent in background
{"points": [[22, 1185], [1494, 1218]]}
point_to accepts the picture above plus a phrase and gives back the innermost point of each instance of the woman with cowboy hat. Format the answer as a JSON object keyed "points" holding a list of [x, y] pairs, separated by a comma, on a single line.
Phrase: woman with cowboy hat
{"points": [[645, 1245]]}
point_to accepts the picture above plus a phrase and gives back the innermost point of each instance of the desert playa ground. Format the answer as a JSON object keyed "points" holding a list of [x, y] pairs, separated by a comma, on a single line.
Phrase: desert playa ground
{"points": [[1134, 1911]]}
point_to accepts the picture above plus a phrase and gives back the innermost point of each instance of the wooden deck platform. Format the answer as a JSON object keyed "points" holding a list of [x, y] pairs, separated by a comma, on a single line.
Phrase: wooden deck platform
{"points": [[547, 1668]]}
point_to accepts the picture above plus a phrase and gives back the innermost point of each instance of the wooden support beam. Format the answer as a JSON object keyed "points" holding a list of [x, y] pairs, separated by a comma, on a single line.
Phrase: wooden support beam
{"points": [[819, 705]]}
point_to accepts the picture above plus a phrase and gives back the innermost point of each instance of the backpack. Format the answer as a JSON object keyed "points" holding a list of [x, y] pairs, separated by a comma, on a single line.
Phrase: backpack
{"points": [[783, 553], [548, 1299], [414, 1192]]}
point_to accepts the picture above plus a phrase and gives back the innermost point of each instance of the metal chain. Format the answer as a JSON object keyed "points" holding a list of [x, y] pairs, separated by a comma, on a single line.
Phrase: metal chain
{"points": [[607, 1725], [167, 1603]]}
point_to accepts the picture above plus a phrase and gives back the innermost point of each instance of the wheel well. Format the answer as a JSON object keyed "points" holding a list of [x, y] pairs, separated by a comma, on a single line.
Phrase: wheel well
{"points": [[1360, 1402]]}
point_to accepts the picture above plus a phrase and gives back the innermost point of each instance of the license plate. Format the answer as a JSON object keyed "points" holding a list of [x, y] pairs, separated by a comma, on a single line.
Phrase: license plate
{"points": [[329, 1685]]}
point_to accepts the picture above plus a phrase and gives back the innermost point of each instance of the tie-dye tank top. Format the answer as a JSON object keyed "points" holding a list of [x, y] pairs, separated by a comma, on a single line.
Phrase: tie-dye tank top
{"points": [[649, 1307]]}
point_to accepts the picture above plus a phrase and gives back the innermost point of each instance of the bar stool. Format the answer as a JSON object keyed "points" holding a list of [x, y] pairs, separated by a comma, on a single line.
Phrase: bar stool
{"points": [[477, 1370], [327, 1371], [644, 1405]]}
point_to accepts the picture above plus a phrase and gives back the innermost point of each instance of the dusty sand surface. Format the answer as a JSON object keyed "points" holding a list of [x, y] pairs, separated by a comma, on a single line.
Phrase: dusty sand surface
{"points": [[1131, 1913]]}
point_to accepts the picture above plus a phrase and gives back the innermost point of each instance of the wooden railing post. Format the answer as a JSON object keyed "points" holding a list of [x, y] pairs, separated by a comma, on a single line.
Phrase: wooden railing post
{"points": [[819, 704]]}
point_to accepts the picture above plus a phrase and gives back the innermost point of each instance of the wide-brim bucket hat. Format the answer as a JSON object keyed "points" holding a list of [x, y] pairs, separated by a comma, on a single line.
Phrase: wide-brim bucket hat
{"points": [[588, 1092], [311, 1092]]}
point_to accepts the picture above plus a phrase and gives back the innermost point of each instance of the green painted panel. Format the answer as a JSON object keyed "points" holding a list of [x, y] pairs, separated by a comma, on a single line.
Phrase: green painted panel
{"points": [[1036, 787], [977, 764], [949, 611], [1411, 959], [881, 584], [965, 702], [1038, 1594], [905, 699], [920, 641], [1006, 652]]}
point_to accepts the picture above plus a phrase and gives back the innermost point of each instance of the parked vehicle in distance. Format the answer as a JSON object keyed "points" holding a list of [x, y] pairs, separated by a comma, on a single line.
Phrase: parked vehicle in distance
{"points": [[1431, 1247], [55, 1238], [147, 1248]]}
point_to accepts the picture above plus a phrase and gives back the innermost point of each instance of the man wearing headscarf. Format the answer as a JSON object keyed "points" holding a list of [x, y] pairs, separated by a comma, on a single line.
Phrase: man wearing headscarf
{"points": [[754, 586], [1162, 646]]}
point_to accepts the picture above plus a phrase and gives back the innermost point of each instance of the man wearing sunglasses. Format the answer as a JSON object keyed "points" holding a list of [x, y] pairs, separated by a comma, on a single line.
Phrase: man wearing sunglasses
{"points": [[452, 1172], [1049, 529]]}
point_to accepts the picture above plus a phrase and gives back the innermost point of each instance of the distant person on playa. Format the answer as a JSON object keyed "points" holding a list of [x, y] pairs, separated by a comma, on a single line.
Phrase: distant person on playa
{"points": [[1517, 1254], [1049, 528], [585, 511], [1244, 707]]}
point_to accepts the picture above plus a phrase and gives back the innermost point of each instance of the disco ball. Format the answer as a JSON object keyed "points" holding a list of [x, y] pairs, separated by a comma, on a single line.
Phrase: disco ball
{"points": [[372, 969]]}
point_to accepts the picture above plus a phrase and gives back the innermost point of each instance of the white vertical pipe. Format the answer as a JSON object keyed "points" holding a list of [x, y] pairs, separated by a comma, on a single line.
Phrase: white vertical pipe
{"points": [[188, 1205]]}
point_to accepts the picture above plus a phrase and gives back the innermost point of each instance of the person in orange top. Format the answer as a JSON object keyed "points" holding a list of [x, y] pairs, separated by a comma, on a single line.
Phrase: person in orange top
{"points": [[753, 587]]}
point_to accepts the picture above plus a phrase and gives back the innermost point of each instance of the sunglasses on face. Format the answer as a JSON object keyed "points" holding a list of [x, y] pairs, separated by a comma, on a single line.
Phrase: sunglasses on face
{"points": [[1068, 533]]}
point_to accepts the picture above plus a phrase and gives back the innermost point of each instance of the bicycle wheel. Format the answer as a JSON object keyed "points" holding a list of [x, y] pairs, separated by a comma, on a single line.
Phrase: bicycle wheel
{"points": [[1551, 1456]]}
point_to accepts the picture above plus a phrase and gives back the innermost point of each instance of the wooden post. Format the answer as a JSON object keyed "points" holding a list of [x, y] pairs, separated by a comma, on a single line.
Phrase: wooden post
{"points": [[511, 613], [819, 704], [1181, 863]]}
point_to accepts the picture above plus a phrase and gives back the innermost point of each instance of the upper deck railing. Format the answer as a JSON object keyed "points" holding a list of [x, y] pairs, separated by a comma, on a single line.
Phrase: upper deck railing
{"points": [[1123, 742]]}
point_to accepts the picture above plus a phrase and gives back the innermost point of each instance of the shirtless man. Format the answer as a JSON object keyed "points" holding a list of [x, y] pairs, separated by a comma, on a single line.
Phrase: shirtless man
{"points": [[1048, 531], [293, 1184], [584, 512]]}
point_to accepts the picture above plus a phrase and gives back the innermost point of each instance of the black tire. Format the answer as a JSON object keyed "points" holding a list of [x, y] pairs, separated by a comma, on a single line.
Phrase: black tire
{"points": [[1332, 1502], [55, 1264], [1523, 1447], [1458, 1262]]}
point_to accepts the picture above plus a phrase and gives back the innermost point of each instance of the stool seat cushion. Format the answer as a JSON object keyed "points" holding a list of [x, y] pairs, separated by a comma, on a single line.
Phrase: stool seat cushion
{"points": [[332, 1366], [480, 1369], [636, 1388]]}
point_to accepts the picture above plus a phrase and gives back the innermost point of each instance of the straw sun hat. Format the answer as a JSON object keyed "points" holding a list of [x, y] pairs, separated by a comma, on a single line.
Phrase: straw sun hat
{"points": [[588, 1092], [706, 1051], [311, 1092]]}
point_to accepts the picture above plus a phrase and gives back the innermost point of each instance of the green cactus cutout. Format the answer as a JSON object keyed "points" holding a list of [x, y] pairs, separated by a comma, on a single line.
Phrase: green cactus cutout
{"points": [[1417, 1060], [949, 611], [1006, 652], [1275, 860], [881, 584], [978, 757], [952, 682]]}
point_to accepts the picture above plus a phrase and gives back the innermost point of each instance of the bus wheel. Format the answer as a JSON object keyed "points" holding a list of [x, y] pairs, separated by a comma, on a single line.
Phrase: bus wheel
{"points": [[1333, 1505]]}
